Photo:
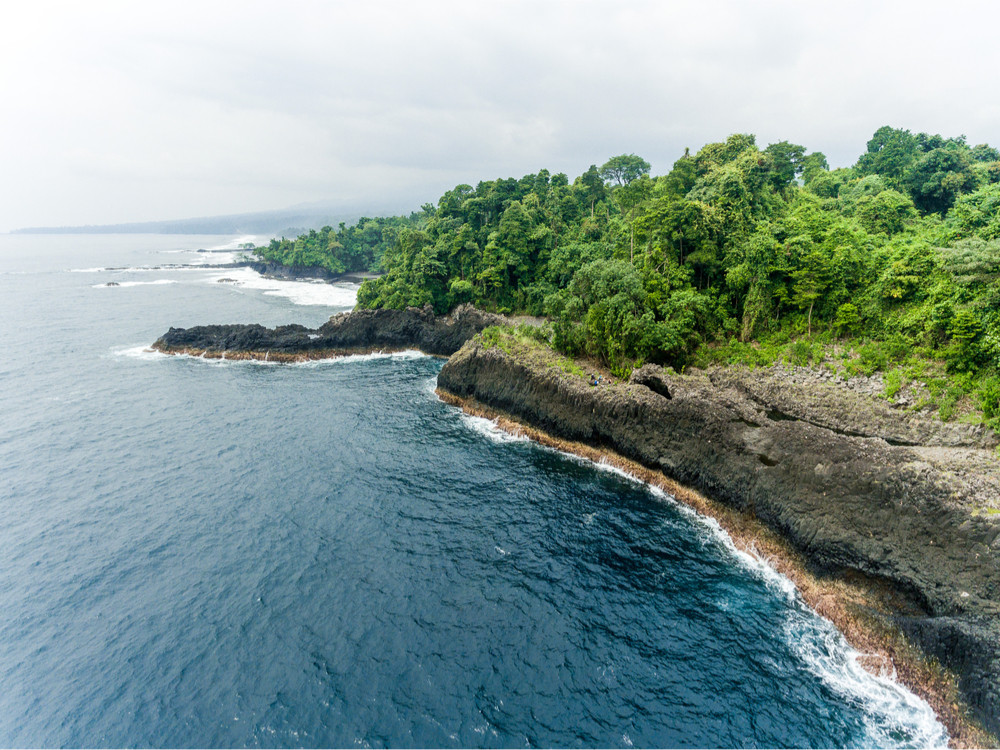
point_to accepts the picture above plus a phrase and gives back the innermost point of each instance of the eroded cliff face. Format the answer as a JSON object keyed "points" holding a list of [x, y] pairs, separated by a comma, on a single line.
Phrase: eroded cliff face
{"points": [[845, 502], [347, 333]]}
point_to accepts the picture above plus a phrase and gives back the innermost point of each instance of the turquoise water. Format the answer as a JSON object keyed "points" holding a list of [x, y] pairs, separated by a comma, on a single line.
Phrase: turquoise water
{"points": [[200, 553]]}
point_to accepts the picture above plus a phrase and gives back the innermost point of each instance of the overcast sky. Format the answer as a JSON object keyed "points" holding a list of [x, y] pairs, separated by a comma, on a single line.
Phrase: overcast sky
{"points": [[134, 111]]}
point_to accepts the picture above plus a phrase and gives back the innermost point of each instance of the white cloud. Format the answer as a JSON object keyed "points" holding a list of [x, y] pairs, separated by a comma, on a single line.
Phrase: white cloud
{"points": [[134, 111]]}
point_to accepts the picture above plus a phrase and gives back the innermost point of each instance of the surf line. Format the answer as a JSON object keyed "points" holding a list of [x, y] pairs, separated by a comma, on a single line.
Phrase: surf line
{"points": [[859, 609]]}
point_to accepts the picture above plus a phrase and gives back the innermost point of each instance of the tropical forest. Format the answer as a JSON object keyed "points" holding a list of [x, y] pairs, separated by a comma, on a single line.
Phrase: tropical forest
{"points": [[740, 254]]}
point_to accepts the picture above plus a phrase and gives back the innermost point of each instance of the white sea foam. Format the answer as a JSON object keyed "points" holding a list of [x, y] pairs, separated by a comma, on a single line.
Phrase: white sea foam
{"points": [[894, 716], [171, 267], [146, 353], [313, 292], [234, 244], [142, 351], [158, 282], [488, 428], [214, 257], [430, 386], [407, 354]]}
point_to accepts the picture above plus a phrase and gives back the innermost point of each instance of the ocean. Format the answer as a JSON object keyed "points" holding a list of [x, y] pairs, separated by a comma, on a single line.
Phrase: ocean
{"points": [[225, 554]]}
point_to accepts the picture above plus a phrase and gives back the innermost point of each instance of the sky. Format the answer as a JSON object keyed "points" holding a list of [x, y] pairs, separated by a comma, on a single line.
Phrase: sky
{"points": [[139, 111]]}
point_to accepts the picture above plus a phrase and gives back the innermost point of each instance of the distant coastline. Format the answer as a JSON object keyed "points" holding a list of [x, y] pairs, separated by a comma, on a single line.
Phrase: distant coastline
{"points": [[278, 223]]}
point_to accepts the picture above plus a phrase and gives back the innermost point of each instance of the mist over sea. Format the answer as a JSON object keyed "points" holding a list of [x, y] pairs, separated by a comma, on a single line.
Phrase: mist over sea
{"points": [[212, 553]]}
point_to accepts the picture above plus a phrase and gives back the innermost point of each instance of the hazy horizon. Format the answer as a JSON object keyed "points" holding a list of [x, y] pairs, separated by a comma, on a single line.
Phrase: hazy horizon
{"points": [[123, 112]]}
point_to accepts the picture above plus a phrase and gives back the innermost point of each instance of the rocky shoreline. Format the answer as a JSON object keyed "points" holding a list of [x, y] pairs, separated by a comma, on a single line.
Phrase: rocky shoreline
{"points": [[347, 333], [858, 496], [853, 506]]}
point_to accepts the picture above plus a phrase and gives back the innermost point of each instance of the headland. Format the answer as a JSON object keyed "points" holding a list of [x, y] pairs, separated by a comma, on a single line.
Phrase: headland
{"points": [[889, 524]]}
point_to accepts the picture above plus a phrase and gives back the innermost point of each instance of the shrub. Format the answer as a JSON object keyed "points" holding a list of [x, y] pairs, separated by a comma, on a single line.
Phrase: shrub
{"points": [[848, 319], [801, 353], [872, 357], [989, 398], [893, 383]]}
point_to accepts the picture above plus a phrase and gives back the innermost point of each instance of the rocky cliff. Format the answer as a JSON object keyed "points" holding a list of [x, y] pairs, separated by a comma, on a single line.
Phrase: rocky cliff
{"points": [[910, 517]]}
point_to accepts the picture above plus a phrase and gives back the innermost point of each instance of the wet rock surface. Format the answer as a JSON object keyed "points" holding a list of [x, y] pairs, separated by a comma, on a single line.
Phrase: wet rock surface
{"points": [[907, 516]]}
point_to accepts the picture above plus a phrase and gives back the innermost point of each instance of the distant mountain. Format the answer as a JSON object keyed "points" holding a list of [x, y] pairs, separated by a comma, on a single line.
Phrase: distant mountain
{"points": [[288, 222]]}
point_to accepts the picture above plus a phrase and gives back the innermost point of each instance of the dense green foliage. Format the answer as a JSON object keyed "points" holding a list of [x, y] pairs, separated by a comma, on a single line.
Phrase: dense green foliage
{"points": [[736, 244], [357, 248]]}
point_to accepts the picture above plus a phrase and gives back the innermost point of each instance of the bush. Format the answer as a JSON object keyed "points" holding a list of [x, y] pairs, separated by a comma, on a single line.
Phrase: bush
{"points": [[801, 353], [873, 357], [848, 319], [989, 398], [893, 383], [964, 354]]}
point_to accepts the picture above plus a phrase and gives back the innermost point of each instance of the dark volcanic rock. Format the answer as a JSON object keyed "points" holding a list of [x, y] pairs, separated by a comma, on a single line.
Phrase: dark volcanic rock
{"points": [[361, 330], [651, 376], [970, 647], [847, 503]]}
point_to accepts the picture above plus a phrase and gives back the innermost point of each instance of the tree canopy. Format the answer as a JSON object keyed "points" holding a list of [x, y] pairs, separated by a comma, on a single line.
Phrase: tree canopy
{"points": [[735, 242]]}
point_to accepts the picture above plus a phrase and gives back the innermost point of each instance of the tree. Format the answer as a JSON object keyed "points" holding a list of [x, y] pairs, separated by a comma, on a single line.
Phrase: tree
{"points": [[847, 319], [938, 178], [965, 352], [624, 169], [974, 264], [813, 165], [593, 186], [890, 152], [628, 197], [977, 213], [714, 155], [749, 277], [984, 152], [681, 178], [887, 212], [786, 163], [812, 278]]}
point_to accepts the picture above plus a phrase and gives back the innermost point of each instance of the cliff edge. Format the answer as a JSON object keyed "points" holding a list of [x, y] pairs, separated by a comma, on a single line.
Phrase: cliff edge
{"points": [[909, 517]]}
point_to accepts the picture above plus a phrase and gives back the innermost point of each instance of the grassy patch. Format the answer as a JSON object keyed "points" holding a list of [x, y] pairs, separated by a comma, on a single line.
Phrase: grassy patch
{"points": [[894, 382], [570, 367], [533, 341]]}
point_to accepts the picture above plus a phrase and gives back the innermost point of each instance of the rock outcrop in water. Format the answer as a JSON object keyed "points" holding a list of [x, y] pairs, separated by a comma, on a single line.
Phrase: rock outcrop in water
{"points": [[923, 518], [347, 333]]}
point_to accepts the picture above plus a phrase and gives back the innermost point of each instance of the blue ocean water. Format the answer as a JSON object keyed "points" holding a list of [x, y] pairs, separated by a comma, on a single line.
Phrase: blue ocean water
{"points": [[199, 553]]}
